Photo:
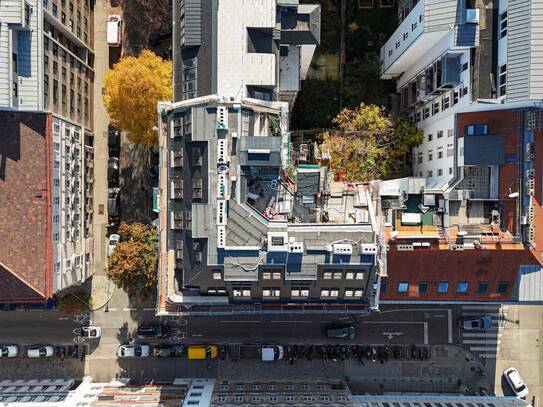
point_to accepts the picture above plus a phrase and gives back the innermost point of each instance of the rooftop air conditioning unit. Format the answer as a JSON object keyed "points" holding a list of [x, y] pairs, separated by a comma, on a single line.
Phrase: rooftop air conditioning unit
{"points": [[343, 248], [472, 16]]}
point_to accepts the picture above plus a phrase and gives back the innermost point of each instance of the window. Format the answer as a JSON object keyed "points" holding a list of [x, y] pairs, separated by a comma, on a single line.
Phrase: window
{"points": [[503, 24], [419, 160], [429, 174], [449, 132], [439, 172], [338, 275], [445, 103], [442, 287], [14, 62], [403, 287], [430, 156], [349, 292], [217, 275], [189, 78], [359, 276], [440, 134], [349, 275], [450, 170], [426, 113], [503, 80], [15, 89], [289, 387], [430, 137], [482, 287], [423, 287], [440, 154], [240, 387], [435, 108], [55, 237], [476, 129], [271, 292], [334, 292], [256, 386], [450, 150], [266, 276], [502, 287], [455, 97], [462, 287], [325, 293], [327, 275], [383, 286], [397, 44], [28, 11], [405, 36], [276, 276]]}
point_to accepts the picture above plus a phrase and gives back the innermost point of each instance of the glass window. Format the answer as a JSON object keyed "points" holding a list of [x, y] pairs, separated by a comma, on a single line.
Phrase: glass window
{"points": [[443, 287], [502, 287], [503, 24], [360, 276], [266, 276], [338, 275], [482, 287], [503, 80], [327, 275], [423, 287], [383, 286], [349, 276], [403, 287], [462, 287]]}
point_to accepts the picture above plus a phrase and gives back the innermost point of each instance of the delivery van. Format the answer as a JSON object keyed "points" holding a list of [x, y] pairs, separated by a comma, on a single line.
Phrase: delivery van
{"points": [[199, 352], [114, 22]]}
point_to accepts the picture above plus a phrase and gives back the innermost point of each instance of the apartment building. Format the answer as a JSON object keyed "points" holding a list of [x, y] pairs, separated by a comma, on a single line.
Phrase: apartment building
{"points": [[46, 76], [242, 222], [243, 48]]}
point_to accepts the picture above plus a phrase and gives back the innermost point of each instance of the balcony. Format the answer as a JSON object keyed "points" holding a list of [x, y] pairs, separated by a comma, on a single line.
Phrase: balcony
{"points": [[426, 24]]}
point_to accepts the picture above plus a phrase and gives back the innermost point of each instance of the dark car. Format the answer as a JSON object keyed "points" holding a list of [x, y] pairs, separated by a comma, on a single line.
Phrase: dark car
{"points": [[153, 331], [168, 351], [340, 332], [113, 141], [113, 199], [113, 172]]}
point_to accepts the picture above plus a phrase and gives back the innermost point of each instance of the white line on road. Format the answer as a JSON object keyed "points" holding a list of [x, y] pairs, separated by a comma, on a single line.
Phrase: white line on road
{"points": [[449, 323], [492, 314], [480, 342], [488, 355], [35, 310], [129, 309], [239, 322], [197, 335], [63, 318], [481, 335], [439, 316], [485, 349], [482, 306], [426, 333], [292, 322], [111, 309]]}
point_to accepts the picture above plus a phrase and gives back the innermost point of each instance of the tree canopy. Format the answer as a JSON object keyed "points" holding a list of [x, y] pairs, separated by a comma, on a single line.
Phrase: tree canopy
{"points": [[133, 264], [368, 144], [132, 89]]}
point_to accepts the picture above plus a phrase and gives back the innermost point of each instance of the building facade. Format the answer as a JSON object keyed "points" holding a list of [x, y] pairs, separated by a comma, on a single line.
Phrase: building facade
{"points": [[241, 223], [46, 65], [264, 55]]}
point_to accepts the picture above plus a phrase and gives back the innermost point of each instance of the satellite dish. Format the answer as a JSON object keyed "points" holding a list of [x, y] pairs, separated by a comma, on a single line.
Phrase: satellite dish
{"points": [[462, 233], [513, 195], [394, 234]]}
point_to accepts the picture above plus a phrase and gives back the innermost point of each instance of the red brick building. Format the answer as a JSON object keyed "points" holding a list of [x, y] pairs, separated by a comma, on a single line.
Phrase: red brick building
{"points": [[26, 265], [469, 243]]}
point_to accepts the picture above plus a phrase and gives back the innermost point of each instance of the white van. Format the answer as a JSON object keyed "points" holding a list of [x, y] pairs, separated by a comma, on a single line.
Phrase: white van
{"points": [[271, 353], [114, 31]]}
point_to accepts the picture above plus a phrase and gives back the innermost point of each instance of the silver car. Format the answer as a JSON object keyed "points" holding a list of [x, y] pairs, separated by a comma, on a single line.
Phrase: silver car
{"points": [[40, 351]]}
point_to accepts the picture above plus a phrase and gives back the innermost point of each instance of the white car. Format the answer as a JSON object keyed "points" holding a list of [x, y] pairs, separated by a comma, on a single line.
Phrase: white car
{"points": [[271, 353], [114, 32], [40, 351], [8, 351], [515, 381], [113, 240], [91, 332], [133, 351]]}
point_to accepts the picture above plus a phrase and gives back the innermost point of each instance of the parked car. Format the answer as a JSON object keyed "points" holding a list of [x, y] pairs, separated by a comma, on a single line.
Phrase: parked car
{"points": [[113, 199], [91, 332], [153, 331], [477, 323], [40, 351], [168, 351], [199, 352], [8, 351], [113, 172], [114, 32], [341, 332], [134, 351], [515, 381], [113, 141], [113, 240], [271, 353]]}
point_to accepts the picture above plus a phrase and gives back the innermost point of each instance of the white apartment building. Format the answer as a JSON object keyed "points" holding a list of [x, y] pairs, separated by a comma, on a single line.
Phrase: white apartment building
{"points": [[451, 56], [46, 67]]}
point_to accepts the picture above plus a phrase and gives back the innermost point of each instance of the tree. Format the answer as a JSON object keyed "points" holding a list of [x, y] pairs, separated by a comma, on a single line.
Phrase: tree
{"points": [[133, 264], [73, 302], [132, 89], [369, 144]]}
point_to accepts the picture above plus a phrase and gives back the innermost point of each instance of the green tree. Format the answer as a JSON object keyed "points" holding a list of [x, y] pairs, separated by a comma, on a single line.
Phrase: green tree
{"points": [[133, 264], [73, 302], [132, 89], [368, 144]]}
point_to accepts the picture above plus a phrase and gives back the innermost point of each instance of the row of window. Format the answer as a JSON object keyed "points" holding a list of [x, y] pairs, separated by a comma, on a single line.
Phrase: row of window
{"points": [[289, 398], [326, 275], [296, 292], [444, 287], [438, 105], [272, 387], [405, 36]]}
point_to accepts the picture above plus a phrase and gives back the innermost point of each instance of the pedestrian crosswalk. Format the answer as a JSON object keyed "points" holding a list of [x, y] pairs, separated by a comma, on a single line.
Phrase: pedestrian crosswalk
{"points": [[485, 343]]}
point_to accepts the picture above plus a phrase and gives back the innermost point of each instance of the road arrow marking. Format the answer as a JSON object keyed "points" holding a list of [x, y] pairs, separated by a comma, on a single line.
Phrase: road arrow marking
{"points": [[391, 335]]}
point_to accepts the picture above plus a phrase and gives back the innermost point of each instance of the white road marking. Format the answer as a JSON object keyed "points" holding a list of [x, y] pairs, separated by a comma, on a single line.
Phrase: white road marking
{"points": [[439, 316], [426, 333], [129, 309], [197, 335], [239, 322], [450, 327], [35, 309], [391, 335], [485, 349], [488, 355], [292, 322], [63, 318], [476, 314], [480, 342], [111, 309], [481, 335]]}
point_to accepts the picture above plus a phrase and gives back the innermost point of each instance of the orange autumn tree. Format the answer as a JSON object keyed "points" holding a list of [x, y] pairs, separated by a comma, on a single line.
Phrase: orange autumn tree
{"points": [[133, 264], [368, 143], [132, 89]]}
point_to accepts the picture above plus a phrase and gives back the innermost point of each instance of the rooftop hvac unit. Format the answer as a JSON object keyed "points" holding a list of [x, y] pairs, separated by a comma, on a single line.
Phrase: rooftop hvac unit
{"points": [[343, 248], [405, 247], [456, 247], [221, 237], [368, 248], [296, 247]]}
